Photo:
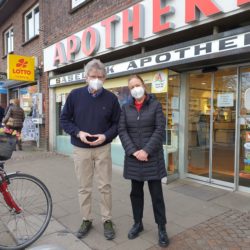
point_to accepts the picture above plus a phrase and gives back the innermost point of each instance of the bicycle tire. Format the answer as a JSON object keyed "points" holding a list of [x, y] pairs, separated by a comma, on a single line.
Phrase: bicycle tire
{"points": [[18, 231]]}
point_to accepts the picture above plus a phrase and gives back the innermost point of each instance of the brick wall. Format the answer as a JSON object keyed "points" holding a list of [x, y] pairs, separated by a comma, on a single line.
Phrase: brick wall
{"points": [[60, 23], [31, 48]]}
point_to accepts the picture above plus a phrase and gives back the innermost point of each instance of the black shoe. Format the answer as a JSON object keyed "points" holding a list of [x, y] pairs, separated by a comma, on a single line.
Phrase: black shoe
{"points": [[135, 230], [84, 228], [163, 236], [109, 231]]}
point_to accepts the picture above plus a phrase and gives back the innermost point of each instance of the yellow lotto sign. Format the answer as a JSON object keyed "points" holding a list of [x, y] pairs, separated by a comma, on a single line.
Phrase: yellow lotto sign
{"points": [[160, 82], [21, 68]]}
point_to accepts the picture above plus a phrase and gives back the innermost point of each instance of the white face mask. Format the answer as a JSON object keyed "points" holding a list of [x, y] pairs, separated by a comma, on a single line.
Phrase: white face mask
{"points": [[95, 84], [137, 92]]}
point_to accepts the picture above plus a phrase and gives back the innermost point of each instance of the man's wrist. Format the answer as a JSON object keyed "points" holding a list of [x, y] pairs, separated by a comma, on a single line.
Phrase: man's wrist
{"points": [[78, 134]]}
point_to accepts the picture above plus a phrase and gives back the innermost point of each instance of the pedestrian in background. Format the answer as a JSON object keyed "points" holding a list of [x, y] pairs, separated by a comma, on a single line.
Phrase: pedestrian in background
{"points": [[91, 115], [141, 130], [10, 104], [14, 119], [1, 115]]}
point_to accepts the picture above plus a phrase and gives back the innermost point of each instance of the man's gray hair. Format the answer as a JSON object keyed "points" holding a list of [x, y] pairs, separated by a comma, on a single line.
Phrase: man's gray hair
{"points": [[95, 64]]}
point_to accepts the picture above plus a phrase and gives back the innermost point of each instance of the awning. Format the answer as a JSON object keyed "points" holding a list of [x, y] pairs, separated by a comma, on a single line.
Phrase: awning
{"points": [[9, 84], [2, 89]]}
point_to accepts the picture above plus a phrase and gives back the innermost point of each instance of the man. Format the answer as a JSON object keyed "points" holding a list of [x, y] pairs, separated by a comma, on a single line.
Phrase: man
{"points": [[91, 115]]}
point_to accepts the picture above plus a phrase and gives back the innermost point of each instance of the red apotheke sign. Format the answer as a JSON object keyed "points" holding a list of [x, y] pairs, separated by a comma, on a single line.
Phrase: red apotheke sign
{"points": [[146, 20]]}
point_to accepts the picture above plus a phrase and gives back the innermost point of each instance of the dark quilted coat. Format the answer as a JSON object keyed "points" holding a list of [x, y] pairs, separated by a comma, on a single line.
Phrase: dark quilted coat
{"points": [[143, 130]]}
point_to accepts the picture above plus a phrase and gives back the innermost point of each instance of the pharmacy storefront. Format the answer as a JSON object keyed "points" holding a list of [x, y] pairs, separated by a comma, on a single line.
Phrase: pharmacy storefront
{"points": [[204, 88]]}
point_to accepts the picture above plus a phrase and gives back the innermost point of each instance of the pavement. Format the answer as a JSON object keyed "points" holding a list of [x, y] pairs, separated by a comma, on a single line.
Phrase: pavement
{"points": [[200, 217]]}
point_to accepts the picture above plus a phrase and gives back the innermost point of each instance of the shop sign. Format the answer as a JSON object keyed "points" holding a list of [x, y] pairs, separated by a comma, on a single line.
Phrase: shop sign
{"points": [[167, 58], [67, 79], [159, 83], [183, 54], [225, 100], [20, 68], [142, 22]]}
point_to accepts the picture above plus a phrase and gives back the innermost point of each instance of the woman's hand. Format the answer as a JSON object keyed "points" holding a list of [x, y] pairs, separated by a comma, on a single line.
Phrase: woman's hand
{"points": [[141, 155]]}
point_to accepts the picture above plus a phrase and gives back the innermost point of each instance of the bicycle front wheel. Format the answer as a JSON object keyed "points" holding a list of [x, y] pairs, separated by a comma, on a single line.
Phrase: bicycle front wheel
{"points": [[18, 231]]}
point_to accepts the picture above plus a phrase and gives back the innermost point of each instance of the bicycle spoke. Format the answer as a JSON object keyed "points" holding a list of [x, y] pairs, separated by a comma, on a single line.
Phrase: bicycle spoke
{"points": [[20, 230]]}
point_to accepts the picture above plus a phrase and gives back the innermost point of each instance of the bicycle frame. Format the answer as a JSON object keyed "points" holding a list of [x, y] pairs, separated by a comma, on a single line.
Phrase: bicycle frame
{"points": [[4, 182]]}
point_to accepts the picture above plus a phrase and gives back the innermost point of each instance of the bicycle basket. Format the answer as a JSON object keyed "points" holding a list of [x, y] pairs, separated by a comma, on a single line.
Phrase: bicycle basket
{"points": [[7, 146]]}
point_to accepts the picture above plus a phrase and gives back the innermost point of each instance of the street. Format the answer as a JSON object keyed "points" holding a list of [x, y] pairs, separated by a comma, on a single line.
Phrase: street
{"points": [[199, 216]]}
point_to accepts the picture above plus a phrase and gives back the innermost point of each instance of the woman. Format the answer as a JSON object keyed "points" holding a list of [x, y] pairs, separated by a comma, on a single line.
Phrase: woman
{"points": [[14, 120], [141, 130]]}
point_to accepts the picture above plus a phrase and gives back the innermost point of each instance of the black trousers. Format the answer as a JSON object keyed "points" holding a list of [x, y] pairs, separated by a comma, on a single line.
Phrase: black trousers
{"points": [[137, 200]]}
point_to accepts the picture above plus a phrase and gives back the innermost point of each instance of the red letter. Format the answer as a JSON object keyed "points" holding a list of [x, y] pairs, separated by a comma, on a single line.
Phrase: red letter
{"points": [[59, 56], [109, 24], [240, 2], [73, 46], [90, 41], [133, 21], [160, 13], [207, 7]]}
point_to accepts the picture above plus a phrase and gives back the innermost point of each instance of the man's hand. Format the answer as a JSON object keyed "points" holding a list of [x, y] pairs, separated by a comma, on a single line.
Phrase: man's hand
{"points": [[83, 135], [100, 138]]}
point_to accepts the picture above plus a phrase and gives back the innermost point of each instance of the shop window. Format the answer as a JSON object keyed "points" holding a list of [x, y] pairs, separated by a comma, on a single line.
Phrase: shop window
{"points": [[9, 41], [170, 106], [60, 102], [26, 101], [32, 23]]}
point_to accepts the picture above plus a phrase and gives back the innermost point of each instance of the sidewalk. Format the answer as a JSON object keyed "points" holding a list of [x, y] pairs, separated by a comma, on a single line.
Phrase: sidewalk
{"points": [[199, 216]]}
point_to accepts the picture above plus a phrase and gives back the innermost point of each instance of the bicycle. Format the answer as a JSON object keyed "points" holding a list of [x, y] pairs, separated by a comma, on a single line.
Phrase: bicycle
{"points": [[25, 203]]}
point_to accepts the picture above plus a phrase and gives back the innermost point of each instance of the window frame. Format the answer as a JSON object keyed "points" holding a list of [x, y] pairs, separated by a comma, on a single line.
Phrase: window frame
{"points": [[31, 13], [6, 44]]}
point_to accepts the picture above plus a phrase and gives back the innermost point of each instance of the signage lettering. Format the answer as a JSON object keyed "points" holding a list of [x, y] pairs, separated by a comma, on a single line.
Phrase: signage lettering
{"points": [[180, 55], [182, 52], [146, 20], [90, 41], [133, 24], [73, 46], [109, 25], [21, 68], [160, 14], [76, 77], [228, 43], [247, 39], [60, 55], [163, 58], [241, 2], [207, 7], [207, 49]]}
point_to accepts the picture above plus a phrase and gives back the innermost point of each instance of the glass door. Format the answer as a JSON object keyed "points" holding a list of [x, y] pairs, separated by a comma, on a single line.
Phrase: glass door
{"points": [[244, 164], [200, 85], [224, 115], [211, 125]]}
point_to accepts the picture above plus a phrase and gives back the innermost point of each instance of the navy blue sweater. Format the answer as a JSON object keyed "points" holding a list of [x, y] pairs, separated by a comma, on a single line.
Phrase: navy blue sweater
{"points": [[94, 115]]}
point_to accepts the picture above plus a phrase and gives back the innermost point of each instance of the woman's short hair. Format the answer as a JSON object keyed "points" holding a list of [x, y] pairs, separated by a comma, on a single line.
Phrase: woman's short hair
{"points": [[135, 76], [95, 64]]}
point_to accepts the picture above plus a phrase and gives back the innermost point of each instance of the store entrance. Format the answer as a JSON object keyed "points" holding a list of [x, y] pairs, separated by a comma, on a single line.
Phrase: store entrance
{"points": [[211, 125]]}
